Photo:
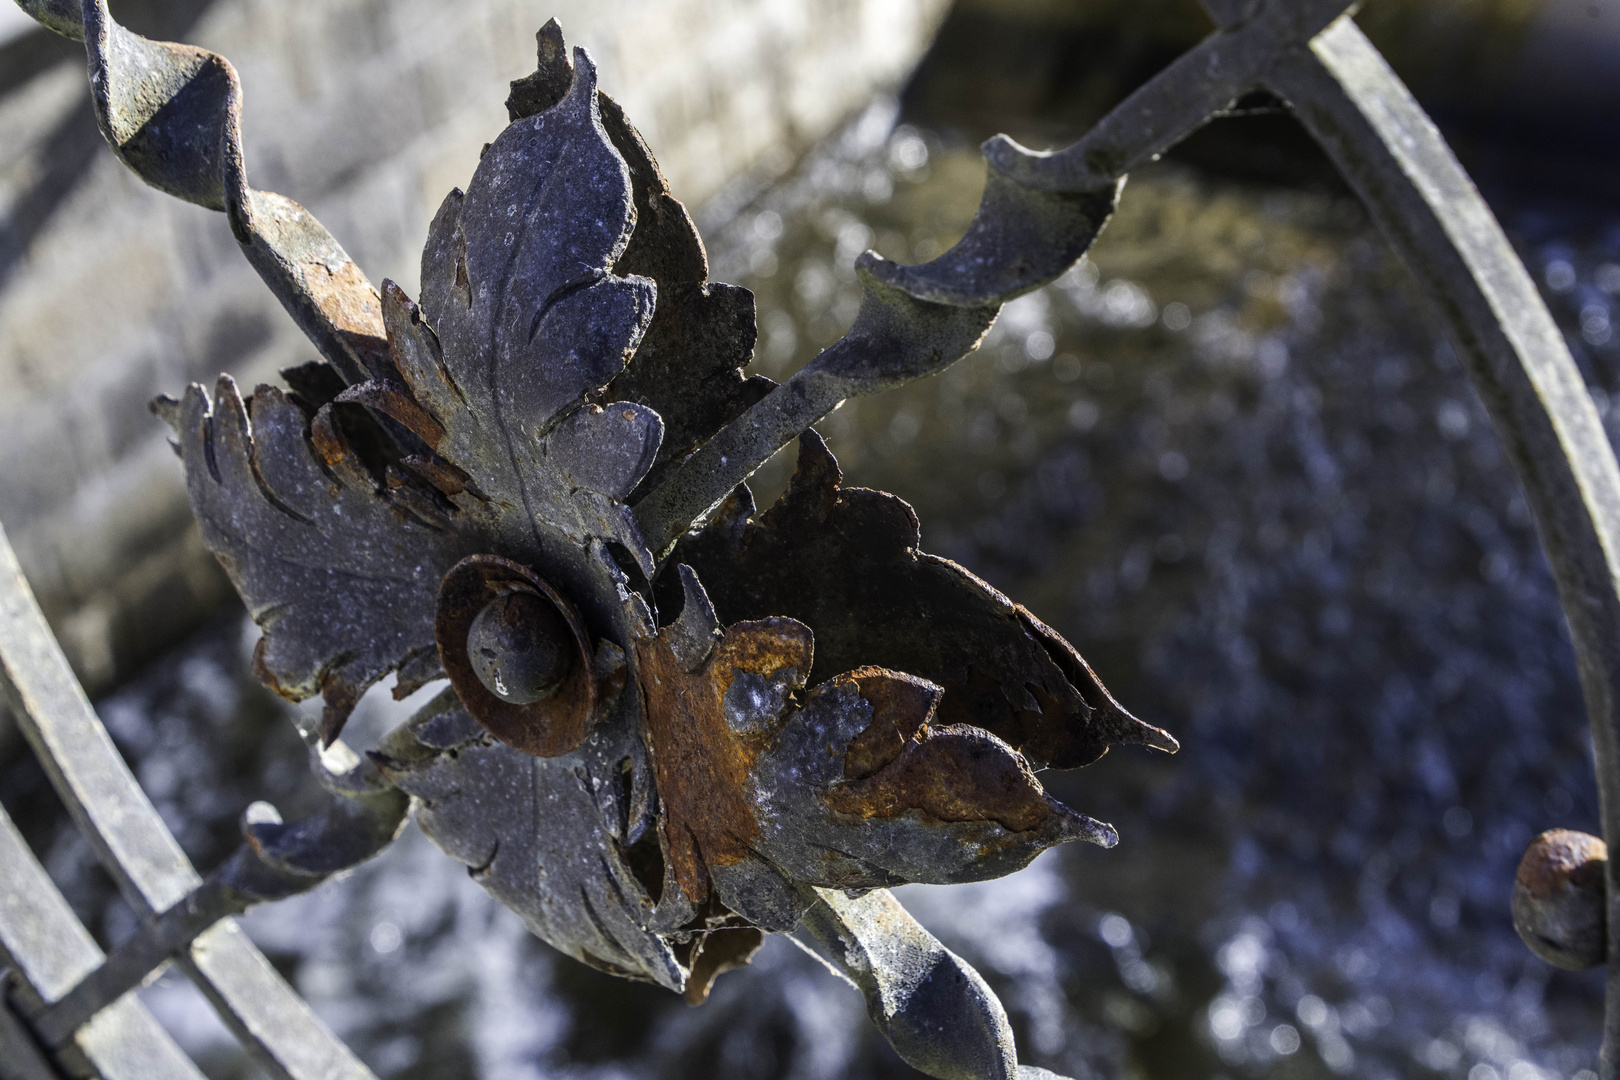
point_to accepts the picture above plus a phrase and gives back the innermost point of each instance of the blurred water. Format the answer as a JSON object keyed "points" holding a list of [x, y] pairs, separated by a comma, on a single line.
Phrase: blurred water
{"points": [[1229, 456]]}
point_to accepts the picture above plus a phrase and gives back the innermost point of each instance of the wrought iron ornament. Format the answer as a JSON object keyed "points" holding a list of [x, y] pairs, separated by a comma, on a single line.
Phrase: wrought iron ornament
{"points": [[674, 722], [653, 752]]}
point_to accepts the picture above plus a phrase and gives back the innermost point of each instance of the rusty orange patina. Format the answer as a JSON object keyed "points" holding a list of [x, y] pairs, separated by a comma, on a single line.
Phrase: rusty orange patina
{"points": [[1561, 857], [716, 953], [950, 772], [700, 763], [902, 705]]}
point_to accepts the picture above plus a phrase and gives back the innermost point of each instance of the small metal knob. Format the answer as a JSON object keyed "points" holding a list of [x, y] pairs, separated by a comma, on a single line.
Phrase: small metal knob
{"points": [[1559, 899], [520, 647], [518, 655]]}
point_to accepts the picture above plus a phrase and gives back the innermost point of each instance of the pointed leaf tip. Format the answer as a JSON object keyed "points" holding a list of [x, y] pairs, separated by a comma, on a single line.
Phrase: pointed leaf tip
{"points": [[167, 409], [553, 75], [1159, 739], [693, 636]]}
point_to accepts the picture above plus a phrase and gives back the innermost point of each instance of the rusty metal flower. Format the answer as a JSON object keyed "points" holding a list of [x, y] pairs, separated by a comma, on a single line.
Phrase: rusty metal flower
{"points": [[652, 751]]}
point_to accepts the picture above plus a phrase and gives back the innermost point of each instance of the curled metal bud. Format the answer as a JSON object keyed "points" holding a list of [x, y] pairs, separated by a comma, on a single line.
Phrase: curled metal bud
{"points": [[1559, 899], [517, 655]]}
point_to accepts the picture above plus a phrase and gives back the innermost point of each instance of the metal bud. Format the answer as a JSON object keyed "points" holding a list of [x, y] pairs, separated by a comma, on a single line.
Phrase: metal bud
{"points": [[518, 655], [1559, 899], [520, 648]]}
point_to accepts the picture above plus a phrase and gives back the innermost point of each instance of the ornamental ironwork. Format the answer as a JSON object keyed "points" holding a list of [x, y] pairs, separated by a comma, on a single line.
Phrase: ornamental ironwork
{"points": [[675, 721]]}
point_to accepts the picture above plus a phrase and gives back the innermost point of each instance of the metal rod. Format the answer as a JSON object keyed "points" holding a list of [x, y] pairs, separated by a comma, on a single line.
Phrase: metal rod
{"points": [[937, 312], [49, 950], [936, 1011], [1389, 150], [1196, 87], [273, 1023], [20, 1056], [277, 861], [131, 962]]}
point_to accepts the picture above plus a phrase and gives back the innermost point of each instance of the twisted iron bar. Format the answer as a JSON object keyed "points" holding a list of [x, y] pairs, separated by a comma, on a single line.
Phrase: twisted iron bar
{"points": [[172, 113], [1039, 214]]}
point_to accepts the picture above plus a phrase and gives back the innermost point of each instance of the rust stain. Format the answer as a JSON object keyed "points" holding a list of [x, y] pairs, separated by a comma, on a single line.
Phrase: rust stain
{"points": [[902, 706], [346, 301], [1560, 857], [950, 772], [339, 696], [396, 401], [327, 439], [446, 478], [346, 298], [701, 765], [546, 728], [262, 672]]}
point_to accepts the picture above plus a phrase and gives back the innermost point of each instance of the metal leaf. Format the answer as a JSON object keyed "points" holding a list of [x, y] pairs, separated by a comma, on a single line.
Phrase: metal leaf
{"points": [[341, 571], [547, 837], [846, 562], [340, 576], [569, 352], [521, 291], [855, 788], [953, 804], [689, 365], [704, 737]]}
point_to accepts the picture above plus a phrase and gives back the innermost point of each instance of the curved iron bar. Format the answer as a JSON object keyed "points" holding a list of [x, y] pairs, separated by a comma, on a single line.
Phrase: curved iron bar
{"points": [[1517, 359], [275, 861], [154, 875], [172, 114], [1039, 214], [50, 951]]}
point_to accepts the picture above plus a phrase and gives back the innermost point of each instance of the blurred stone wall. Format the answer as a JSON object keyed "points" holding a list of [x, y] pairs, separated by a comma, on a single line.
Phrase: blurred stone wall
{"points": [[367, 112], [1527, 92]]}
